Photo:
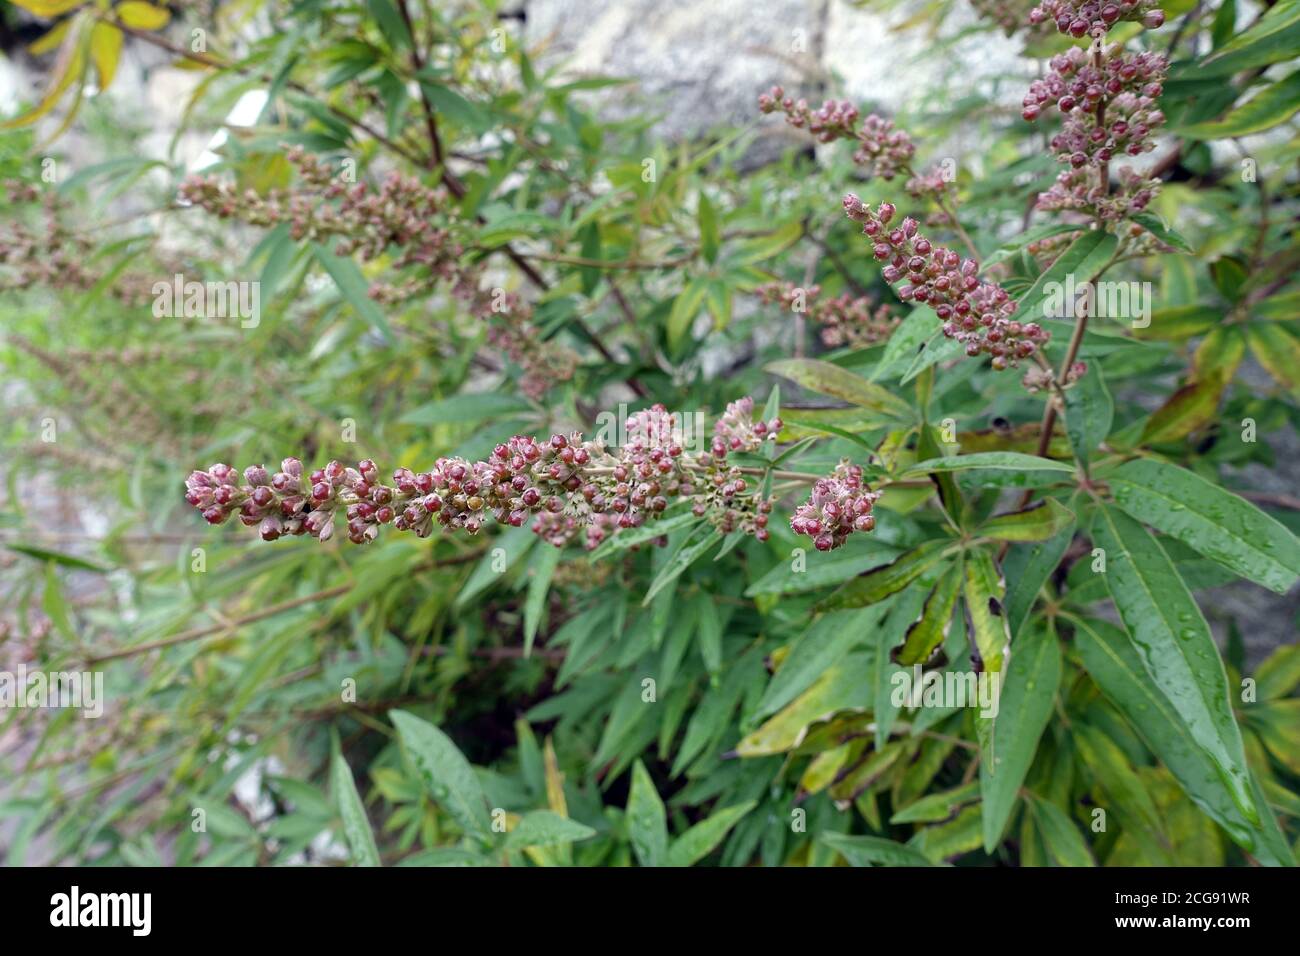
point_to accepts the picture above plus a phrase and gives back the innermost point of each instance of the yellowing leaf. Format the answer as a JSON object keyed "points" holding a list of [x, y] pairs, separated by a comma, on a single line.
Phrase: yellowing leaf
{"points": [[105, 45], [48, 8], [142, 16], [51, 40], [70, 68]]}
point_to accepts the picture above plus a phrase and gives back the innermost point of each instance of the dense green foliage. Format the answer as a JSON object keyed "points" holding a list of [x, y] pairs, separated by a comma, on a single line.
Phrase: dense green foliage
{"points": [[685, 692]]}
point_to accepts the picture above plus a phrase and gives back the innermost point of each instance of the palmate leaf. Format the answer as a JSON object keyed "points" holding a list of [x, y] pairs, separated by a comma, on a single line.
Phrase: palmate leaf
{"points": [[1217, 523], [1174, 643]]}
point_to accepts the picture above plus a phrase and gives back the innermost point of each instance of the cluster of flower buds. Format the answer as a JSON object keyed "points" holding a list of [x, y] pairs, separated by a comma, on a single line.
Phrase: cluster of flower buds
{"points": [[883, 151], [510, 329], [1076, 191], [838, 506], [834, 119], [736, 430], [401, 214], [1081, 18], [933, 185], [845, 320], [1042, 379], [1126, 85], [565, 484], [1011, 15], [976, 313]]}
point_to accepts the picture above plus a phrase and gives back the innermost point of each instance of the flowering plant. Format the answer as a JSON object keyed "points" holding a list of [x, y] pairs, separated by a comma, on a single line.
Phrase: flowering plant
{"points": [[944, 590]]}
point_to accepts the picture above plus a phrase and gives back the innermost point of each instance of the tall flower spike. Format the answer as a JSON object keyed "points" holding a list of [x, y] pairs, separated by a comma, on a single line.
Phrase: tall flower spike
{"points": [[974, 312], [564, 484]]}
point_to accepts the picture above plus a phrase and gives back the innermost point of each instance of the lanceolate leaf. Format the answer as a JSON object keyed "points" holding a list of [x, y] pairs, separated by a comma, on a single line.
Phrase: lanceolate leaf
{"points": [[1114, 663], [1024, 706], [1174, 643], [874, 851], [1042, 520], [646, 819], [356, 825], [446, 773], [931, 629], [828, 379], [987, 621], [1026, 569], [1277, 350], [1089, 411], [1217, 523], [878, 584], [700, 840], [546, 828], [1061, 838]]}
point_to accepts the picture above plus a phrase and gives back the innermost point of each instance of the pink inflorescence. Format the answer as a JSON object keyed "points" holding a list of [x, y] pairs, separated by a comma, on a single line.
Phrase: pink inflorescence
{"points": [[977, 313], [882, 151], [838, 506], [1126, 85], [1081, 18], [844, 320], [566, 485]]}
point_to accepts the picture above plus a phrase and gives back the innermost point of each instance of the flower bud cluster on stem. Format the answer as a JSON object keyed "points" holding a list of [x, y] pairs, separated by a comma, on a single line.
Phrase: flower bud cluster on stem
{"points": [[564, 485], [845, 320], [975, 312]]}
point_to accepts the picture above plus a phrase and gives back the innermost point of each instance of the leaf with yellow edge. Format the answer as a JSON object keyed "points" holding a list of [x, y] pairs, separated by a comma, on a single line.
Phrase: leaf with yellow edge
{"points": [[51, 39], [840, 688], [48, 9], [142, 16], [1278, 351], [70, 68], [105, 46]]}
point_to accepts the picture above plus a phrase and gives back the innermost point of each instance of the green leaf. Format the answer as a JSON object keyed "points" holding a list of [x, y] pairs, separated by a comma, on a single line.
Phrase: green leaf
{"points": [[839, 688], [448, 102], [984, 594], [57, 557], [1084, 260], [873, 851], [466, 408], [931, 629], [685, 308], [826, 378], [823, 645], [1113, 662], [390, 23], [1156, 226], [347, 276], [1124, 791], [1061, 838], [879, 583], [1273, 38], [1215, 522], [904, 342], [1278, 351], [708, 223], [1189, 408], [1174, 643], [1024, 707], [1026, 569], [1018, 469], [546, 828], [1042, 520], [1089, 412], [823, 569], [708, 631], [700, 840], [1276, 104], [356, 825], [679, 562], [647, 821], [764, 247], [545, 561], [447, 775], [938, 806]]}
